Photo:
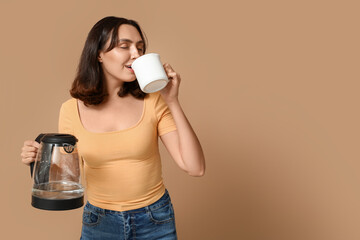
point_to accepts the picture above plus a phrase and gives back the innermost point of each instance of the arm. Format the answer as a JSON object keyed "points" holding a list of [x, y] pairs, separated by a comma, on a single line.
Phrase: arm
{"points": [[182, 144]]}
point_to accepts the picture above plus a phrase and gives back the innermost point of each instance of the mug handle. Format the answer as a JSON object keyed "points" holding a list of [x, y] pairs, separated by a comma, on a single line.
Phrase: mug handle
{"points": [[38, 139]]}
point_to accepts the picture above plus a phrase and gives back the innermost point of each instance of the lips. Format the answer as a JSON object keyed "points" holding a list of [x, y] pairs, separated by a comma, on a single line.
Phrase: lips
{"points": [[129, 68]]}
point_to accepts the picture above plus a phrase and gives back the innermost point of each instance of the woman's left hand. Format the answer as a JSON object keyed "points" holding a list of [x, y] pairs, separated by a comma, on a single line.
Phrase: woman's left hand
{"points": [[171, 91]]}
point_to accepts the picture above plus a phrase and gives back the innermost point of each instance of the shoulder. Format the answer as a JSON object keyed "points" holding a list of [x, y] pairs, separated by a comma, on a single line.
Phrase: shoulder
{"points": [[69, 105], [153, 99], [153, 96], [67, 116]]}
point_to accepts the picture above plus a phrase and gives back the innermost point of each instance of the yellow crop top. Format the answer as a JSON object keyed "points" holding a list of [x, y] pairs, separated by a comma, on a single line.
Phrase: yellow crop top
{"points": [[122, 168]]}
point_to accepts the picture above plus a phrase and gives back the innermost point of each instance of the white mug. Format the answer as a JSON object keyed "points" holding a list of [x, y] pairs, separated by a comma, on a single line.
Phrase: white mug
{"points": [[150, 73]]}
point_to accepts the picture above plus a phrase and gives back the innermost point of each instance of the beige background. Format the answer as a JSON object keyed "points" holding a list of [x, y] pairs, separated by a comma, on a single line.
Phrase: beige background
{"points": [[271, 88]]}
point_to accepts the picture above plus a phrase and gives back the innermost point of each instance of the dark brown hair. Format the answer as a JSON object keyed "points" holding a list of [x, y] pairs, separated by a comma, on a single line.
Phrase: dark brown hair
{"points": [[88, 85]]}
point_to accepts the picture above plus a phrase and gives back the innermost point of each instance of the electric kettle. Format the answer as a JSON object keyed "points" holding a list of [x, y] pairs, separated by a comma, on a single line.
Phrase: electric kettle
{"points": [[56, 173]]}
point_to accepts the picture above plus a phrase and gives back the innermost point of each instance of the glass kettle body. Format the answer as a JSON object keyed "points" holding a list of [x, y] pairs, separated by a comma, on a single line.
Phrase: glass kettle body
{"points": [[56, 173]]}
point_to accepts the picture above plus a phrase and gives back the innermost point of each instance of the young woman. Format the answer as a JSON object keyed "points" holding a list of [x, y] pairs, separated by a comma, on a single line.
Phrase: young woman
{"points": [[118, 127]]}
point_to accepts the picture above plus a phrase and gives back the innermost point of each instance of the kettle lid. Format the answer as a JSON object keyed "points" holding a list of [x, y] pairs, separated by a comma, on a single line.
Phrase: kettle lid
{"points": [[59, 138]]}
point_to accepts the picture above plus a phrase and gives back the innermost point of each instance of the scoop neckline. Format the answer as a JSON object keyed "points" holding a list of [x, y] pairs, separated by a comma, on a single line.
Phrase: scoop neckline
{"points": [[110, 132]]}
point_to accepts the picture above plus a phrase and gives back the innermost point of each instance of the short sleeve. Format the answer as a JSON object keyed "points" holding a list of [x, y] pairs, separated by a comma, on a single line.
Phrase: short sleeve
{"points": [[165, 119], [65, 122]]}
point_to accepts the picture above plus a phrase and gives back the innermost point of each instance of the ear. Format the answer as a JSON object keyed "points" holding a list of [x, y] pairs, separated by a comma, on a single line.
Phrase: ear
{"points": [[100, 57]]}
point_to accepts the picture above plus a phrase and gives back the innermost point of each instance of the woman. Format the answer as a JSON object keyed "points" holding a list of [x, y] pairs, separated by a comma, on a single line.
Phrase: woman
{"points": [[118, 126]]}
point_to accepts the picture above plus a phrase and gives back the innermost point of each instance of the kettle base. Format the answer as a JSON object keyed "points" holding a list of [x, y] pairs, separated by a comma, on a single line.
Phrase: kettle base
{"points": [[57, 204]]}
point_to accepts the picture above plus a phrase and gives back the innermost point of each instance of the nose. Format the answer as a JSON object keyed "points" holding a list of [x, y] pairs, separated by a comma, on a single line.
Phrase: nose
{"points": [[135, 53]]}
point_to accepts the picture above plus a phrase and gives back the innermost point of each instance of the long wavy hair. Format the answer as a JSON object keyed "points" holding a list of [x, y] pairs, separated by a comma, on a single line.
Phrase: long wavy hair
{"points": [[88, 85]]}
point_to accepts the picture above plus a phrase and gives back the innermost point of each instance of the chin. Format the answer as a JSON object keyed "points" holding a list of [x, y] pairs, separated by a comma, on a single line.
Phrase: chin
{"points": [[131, 80], [128, 79]]}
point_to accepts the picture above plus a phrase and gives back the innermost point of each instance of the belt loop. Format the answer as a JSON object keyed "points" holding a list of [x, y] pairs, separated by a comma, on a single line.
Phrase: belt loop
{"points": [[100, 210], [147, 209], [95, 208]]}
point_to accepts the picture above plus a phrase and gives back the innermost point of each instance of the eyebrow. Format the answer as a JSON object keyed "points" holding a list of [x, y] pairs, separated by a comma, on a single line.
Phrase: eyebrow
{"points": [[128, 40]]}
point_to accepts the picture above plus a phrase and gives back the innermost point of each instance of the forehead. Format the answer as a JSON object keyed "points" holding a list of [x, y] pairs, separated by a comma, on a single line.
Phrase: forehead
{"points": [[129, 32]]}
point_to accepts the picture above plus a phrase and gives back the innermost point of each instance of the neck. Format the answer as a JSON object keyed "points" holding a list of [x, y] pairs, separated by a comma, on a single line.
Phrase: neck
{"points": [[113, 86]]}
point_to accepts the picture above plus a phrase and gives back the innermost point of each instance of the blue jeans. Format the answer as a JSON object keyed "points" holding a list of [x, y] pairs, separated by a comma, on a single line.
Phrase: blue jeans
{"points": [[156, 221]]}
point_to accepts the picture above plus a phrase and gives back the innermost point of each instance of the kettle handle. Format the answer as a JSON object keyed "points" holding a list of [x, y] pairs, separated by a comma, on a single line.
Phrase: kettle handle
{"points": [[38, 139]]}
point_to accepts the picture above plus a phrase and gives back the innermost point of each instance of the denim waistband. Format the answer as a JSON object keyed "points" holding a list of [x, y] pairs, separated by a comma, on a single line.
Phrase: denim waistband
{"points": [[162, 201]]}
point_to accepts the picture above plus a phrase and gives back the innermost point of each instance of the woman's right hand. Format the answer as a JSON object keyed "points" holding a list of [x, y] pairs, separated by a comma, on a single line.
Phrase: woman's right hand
{"points": [[28, 151]]}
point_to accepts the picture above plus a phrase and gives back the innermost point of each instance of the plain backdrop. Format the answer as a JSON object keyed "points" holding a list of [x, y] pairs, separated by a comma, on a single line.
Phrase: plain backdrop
{"points": [[270, 87]]}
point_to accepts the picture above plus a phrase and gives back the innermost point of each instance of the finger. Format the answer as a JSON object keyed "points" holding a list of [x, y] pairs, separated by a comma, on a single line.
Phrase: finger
{"points": [[29, 148], [31, 143], [27, 161], [168, 67], [36, 144], [28, 155], [28, 143], [174, 76]]}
